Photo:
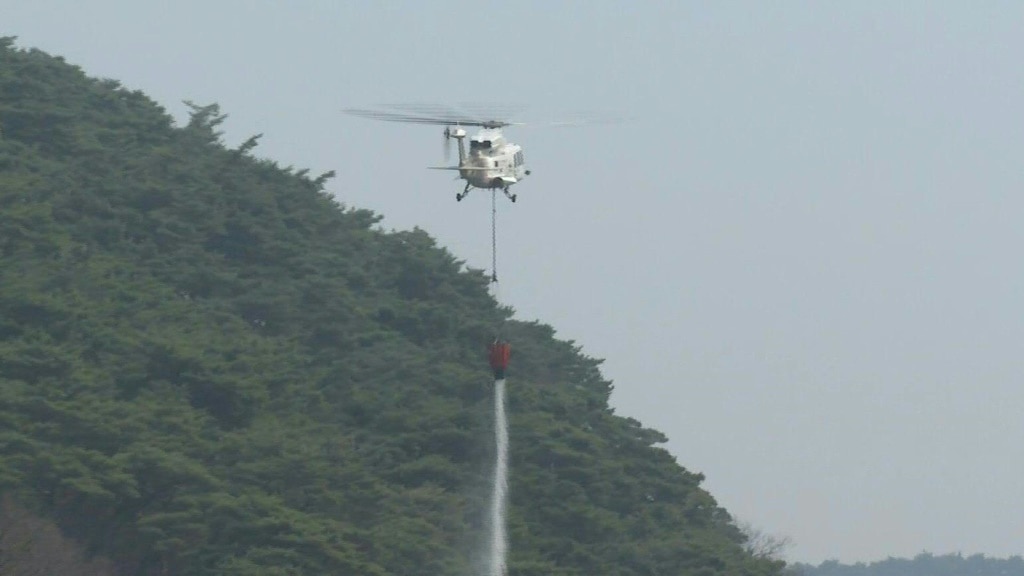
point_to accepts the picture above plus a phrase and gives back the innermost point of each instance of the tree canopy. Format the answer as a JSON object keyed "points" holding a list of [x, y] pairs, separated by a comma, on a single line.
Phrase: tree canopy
{"points": [[208, 365], [924, 564]]}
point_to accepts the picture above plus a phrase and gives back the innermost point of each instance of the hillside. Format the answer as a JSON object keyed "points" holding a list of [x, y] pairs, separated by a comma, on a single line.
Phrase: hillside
{"points": [[923, 564], [208, 365]]}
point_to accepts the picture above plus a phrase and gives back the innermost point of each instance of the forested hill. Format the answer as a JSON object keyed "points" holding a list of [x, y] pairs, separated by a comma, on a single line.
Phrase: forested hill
{"points": [[208, 366], [921, 565]]}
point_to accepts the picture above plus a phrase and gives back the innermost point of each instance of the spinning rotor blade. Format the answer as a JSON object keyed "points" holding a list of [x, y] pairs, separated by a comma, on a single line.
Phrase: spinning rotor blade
{"points": [[438, 118], [586, 119], [485, 110], [448, 116]]}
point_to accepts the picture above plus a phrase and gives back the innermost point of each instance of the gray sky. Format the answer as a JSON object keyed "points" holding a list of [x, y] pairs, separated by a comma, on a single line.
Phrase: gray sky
{"points": [[800, 260]]}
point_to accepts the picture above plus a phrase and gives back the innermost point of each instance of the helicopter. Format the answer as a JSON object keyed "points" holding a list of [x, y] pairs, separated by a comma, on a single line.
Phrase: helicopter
{"points": [[492, 162]]}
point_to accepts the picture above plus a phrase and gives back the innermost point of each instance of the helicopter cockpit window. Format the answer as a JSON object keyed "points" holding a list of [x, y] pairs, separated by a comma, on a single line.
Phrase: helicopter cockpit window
{"points": [[479, 144]]}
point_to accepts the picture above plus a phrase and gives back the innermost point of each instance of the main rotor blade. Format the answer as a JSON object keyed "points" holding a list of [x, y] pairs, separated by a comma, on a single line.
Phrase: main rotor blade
{"points": [[437, 119], [582, 119], [490, 110], [464, 112], [448, 116]]}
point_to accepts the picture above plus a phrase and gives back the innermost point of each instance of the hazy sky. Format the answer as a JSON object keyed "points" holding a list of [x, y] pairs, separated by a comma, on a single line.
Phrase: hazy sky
{"points": [[800, 260]]}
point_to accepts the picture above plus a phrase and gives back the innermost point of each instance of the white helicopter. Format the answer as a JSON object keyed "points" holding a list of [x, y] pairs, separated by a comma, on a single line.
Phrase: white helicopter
{"points": [[492, 161]]}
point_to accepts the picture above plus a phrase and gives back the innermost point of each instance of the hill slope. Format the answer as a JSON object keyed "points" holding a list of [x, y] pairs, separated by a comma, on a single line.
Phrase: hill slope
{"points": [[209, 366], [923, 564]]}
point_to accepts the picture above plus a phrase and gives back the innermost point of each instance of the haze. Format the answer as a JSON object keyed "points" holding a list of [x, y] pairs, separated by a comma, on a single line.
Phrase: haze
{"points": [[800, 258]]}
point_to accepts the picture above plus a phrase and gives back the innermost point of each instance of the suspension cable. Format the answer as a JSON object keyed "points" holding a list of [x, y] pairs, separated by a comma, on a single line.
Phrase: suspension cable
{"points": [[494, 235]]}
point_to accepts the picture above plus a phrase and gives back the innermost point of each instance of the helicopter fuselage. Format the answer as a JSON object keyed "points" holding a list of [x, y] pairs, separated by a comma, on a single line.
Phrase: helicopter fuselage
{"points": [[492, 161]]}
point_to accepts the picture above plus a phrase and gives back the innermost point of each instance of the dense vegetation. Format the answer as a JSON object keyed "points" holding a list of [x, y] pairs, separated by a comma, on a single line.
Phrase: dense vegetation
{"points": [[210, 366], [921, 565]]}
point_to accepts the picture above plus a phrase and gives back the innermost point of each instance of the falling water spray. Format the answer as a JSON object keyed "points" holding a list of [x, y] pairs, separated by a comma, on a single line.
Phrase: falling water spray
{"points": [[499, 495], [499, 357]]}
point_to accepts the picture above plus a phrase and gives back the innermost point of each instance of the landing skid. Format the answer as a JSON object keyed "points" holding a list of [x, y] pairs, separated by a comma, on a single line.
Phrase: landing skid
{"points": [[460, 195]]}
